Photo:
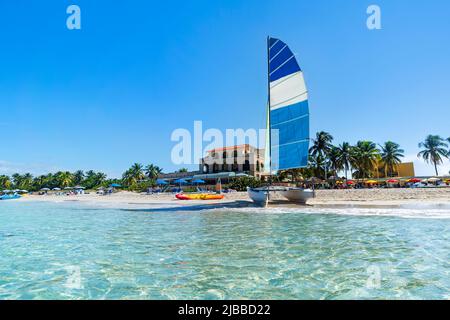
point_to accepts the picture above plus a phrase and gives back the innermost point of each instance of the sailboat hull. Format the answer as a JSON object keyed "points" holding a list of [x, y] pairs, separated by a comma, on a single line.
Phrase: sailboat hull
{"points": [[259, 197], [300, 196]]}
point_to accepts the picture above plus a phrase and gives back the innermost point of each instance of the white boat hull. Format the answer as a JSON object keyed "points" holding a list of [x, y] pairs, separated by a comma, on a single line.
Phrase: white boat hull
{"points": [[259, 197], [300, 196]]}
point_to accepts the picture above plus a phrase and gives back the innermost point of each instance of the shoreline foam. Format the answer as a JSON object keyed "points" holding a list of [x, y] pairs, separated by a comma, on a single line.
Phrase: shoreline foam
{"points": [[336, 200]]}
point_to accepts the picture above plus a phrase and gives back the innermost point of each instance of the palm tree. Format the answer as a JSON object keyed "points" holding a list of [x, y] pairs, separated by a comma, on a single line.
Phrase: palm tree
{"points": [[78, 177], [127, 178], [152, 171], [5, 182], [390, 155], [318, 164], [16, 179], [448, 139], [26, 181], [334, 160], [133, 175], [434, 150], [40, 182], [138, 171], [100, 178], [321, 145], [364, 157], [345, 152], [64, 179]]}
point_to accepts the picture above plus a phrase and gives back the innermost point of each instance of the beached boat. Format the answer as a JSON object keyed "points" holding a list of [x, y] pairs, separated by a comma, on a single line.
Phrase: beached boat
{"points": [[10, 196], [259, 196], [287, 141], [200, 196]]}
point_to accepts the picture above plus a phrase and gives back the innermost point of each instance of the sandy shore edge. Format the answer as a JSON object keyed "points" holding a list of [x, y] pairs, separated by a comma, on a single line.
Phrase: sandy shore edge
{"points": [[324, 198]]}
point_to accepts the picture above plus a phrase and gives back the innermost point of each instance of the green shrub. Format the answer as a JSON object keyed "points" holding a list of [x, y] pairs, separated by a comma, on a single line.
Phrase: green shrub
{"points": [[241, 184]]}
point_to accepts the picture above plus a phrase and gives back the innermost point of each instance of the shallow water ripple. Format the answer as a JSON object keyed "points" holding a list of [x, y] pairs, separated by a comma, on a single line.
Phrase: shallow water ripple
{"points": [[67, 251]]}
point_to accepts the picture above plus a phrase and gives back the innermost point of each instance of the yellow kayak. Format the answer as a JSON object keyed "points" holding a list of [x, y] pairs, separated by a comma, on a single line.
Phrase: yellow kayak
{"points": [[199, 196]]}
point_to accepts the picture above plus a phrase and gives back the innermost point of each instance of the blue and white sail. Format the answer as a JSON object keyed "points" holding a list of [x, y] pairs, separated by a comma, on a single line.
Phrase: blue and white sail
{"points": [[289, 110]]}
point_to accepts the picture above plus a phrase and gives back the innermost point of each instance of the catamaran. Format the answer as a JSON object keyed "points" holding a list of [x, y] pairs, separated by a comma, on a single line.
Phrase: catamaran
{"points": [[287, 134]]}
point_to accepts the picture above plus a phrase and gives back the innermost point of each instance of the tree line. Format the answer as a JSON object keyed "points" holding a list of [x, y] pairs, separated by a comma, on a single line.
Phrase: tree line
{"points": [[366, 159], [363, 160], [61, 179], [134, 178]]}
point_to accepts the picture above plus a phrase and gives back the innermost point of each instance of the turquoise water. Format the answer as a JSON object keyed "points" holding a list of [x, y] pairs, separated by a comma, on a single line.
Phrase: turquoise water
{"points": [[69, 251]]}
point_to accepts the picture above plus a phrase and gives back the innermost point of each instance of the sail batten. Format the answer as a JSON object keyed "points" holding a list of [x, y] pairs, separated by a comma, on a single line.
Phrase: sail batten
{"points": [[289, 109]]}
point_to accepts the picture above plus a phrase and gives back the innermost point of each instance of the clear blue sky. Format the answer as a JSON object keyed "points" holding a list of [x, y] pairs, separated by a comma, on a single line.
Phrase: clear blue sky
{"points": [[112, 93]]}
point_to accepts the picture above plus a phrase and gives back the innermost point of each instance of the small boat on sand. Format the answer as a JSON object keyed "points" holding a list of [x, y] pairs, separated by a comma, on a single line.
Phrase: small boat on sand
{"points": [[287, 132], [261, 196], [10, 196], [200, 196]]}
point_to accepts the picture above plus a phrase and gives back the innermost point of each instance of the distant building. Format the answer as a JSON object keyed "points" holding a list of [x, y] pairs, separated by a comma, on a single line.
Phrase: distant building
{"points": [[401, 170], [243, 159], [178, 175]]}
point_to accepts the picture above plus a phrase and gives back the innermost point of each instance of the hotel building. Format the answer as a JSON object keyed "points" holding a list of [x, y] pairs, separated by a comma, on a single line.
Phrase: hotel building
{"points": [[243, 159]]}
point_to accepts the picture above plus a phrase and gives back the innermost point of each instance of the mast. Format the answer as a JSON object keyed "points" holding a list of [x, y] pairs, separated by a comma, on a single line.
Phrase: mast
{"points": [[268, 115]]}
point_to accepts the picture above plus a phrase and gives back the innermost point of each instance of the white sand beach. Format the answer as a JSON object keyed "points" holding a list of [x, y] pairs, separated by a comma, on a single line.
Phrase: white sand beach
{"points": [[324, 198]]}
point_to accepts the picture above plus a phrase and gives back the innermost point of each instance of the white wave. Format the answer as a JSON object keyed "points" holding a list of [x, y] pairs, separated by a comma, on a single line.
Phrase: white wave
{"points": [[401, 212]]}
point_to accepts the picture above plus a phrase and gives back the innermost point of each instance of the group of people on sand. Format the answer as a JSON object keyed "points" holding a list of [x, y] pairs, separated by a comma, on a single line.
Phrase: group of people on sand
{"points": [[63, 193], [380, 185]]}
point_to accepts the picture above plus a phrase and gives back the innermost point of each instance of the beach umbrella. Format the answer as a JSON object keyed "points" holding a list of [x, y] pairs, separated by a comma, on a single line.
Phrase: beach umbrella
{"points": [[68, 188], [371, 182], [414, 180], [180, 182], [434, 179], [101, 188], [45, 189], [199, 181], [161, 182], [16, 190], [393, 181], [6, 191], [23, 191], [115, 185], [79, 187], [350, 182], [56, 189]]}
